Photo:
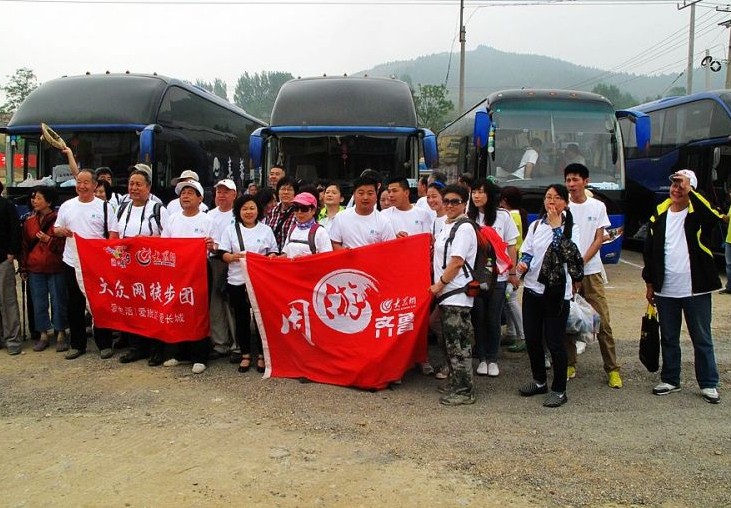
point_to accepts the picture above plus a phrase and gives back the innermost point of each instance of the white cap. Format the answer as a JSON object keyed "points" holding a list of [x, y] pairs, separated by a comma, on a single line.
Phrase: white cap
{"points": [[228, 183], [188, 183], [186, 175], [690, 175]]}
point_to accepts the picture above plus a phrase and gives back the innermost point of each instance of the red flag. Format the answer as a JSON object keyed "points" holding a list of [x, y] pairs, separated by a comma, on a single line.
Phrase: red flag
{"points": [[154, 287], [354, 317]]}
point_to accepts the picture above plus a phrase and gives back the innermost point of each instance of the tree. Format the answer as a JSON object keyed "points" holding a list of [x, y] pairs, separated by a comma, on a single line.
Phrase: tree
{"points": [[21, 84], [619, 100], [256, 92], [432, 106], [218, 87]]}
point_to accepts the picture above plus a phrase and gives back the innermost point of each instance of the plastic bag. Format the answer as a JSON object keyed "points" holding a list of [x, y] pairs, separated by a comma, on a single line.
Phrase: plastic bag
{"points": [[583, 320]]}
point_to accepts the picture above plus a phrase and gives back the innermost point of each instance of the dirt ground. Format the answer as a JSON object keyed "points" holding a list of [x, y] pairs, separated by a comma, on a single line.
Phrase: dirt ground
{"points": [[99, 433]]}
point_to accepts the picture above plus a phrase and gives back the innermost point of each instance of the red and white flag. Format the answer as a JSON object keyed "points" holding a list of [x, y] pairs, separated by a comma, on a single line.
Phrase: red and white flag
{"points": [[154, 287], [354, 317]]}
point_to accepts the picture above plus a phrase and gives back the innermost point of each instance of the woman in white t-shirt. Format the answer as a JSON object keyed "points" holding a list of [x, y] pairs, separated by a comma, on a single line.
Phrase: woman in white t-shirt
{"points": [[306, 236], [246, 234], [488, 309]]}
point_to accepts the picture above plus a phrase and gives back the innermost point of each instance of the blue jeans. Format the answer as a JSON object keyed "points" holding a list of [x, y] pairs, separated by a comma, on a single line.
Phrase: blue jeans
{"points": [[727, 251], [697, 312], [487, 312], [43, 285]]}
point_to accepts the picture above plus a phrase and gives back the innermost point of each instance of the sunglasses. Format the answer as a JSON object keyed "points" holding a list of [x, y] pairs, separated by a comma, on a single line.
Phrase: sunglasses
{"points": [[302, 208], [452, 202]]}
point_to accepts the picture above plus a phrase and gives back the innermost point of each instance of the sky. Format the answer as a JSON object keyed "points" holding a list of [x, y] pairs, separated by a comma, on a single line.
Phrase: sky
{"points": [[221, 39]]}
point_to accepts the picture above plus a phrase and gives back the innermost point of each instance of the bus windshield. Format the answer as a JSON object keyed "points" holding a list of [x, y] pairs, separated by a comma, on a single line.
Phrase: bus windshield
{"points": [[561, 132]]}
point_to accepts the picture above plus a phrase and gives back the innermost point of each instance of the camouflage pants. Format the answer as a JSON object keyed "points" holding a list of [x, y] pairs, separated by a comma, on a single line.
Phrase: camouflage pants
{"points": [[458, 337]]}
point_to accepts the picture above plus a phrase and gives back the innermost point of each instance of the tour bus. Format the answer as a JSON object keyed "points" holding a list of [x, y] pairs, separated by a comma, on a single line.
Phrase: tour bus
{"points": [[332, 128], [118, 120], [688, 132], [563, 126]]}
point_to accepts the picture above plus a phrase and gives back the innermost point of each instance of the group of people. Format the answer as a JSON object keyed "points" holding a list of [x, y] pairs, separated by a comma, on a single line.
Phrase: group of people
{"points": [[553, 258]]}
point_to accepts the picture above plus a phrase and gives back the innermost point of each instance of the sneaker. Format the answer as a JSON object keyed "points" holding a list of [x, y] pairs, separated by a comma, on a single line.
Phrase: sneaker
{"points": [[547, 361], [508, 340], [198, 368], [61, 344], [172, 362], [615, 380], [555, 399], [106, 353], [725, 291], [493, 370], [442, 373], [570, 372], [665, 388], [14, 349], [457, 399], [426, 368], [580, 347], [72, 354], [482, 369], [710, 395], [40, 345], [444, 388], [518, 347], [533, 388]]}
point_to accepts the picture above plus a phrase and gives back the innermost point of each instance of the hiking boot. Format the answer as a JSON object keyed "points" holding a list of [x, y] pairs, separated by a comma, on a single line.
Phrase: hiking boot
{"points": [[665, 388], [106, 353], [615, 380], [457, 399], [555, 399], [710, 395]]}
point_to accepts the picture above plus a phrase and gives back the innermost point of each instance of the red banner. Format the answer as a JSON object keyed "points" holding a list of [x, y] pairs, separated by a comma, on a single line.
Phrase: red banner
{"points": [[356, 317], [154, 287]]}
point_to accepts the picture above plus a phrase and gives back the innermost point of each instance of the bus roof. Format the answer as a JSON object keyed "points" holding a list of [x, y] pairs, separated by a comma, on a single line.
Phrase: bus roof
{"points": [[344, 101], [722, 96], [102, 99]]}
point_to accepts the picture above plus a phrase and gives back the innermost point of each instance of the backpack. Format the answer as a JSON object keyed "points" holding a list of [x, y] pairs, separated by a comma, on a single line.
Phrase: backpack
{"points": [[155, 214], [310, 237]]}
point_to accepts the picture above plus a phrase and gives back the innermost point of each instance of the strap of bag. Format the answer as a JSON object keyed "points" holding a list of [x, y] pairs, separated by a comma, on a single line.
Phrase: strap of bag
{"points": [[238, 235], [106, 221]]}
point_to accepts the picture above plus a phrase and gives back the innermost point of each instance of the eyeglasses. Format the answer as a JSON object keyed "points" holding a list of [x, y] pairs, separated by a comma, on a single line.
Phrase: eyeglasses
{"points": [[302, 208], [452, 202], [553, 198]]}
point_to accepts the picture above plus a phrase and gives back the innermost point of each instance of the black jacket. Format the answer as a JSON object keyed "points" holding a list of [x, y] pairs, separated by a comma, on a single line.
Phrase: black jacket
{"points": [[9, 229], [700, 220]]}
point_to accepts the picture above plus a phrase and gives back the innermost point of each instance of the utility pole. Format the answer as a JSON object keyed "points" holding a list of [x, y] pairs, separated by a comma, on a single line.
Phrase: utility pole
{"points": [[462, 38], [691, 44], [727, 24]]}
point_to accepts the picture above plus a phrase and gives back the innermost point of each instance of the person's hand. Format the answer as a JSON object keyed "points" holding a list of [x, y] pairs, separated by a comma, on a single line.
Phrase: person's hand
{"points": [[210, 244], [650, 294], [61, 231], [521, 268], [514, 280], [402, 234], [554, 217], [43, 237]]}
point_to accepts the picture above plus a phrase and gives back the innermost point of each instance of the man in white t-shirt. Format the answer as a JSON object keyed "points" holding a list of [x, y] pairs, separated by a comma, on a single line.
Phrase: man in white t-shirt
{"points": [[527, 162], [174, 206], [406, 219], [590, 215], [88, 217], [191, 223], [222, 326], [362, 224]]}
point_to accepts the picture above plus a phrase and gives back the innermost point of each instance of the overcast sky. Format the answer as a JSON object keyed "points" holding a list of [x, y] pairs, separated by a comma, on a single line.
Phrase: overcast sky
{"points": [[310, 38]]}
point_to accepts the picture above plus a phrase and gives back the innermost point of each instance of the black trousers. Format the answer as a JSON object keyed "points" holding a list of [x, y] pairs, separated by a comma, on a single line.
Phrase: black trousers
{"points": [[241, 309], [77, 316], [544, 319]]}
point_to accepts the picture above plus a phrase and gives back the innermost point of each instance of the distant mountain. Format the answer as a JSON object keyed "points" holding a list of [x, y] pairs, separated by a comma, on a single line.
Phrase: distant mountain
{"points": [[488, 70]]}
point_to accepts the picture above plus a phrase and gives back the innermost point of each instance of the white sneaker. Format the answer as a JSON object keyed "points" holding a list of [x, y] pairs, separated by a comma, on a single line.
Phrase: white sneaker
{"points": [[442, 373], [198, 368], [172, 362], [482, 369], [710, 395], [493, 370], [580, 347], [665, 389]]}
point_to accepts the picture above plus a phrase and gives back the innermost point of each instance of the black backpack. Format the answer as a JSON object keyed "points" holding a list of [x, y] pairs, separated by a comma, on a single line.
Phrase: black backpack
{"points": [[155, 214]]}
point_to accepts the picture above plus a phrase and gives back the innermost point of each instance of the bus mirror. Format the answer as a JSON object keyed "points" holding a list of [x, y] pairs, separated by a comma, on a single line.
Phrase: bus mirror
{"points": [[643, 129], [431, 156], [147, 143], [256, 147], [482, 128]]}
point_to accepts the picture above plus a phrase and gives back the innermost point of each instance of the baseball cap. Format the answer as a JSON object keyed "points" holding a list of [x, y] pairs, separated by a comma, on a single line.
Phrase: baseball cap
{"points": [[688, 174], [186, 175], [188, 183], [228, 183], [144, 168], [305, 198]]}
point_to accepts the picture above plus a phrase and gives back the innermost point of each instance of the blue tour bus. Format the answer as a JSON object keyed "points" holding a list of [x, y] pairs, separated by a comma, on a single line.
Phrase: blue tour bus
{"points": [[688, 132], [332, 128], [491, 138], [117, 120]]}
